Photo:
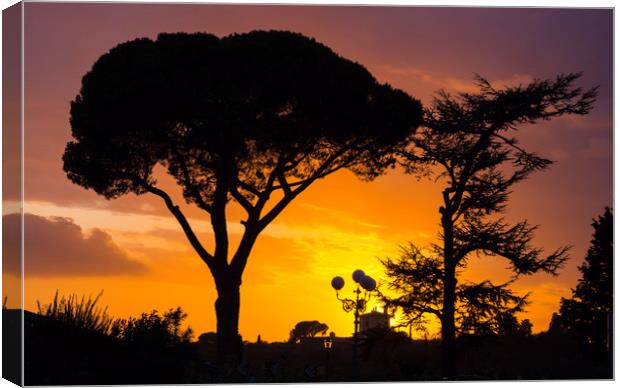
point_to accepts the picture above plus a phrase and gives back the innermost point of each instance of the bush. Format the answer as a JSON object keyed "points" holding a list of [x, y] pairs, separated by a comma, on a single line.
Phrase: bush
{"points": [[153, 329]]}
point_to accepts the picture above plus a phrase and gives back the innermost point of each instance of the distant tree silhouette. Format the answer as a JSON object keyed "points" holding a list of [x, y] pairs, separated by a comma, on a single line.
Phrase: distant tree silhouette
{"points": [[307, 329], [467, 141], [586, 315], [255, 118], [480, 308]]}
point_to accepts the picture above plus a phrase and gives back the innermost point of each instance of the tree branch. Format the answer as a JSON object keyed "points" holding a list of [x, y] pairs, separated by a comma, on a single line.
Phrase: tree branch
{"points": [[284, 184], [243, 201], [266, 194], [240, 258], [320, 172], [249, 188], [189, 233]]}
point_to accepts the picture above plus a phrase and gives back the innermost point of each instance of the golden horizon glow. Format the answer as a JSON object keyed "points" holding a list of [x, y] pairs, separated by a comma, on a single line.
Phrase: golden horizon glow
{"points": [[340, 223], [324, 233]]}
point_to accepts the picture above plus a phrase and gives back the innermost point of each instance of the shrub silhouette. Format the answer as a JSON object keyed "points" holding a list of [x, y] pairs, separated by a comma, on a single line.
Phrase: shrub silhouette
{"points": [[154, 330]]}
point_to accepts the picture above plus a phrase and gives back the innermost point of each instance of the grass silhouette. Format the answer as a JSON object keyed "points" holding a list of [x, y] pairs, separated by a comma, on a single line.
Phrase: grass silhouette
{"points": [[82, 314]]}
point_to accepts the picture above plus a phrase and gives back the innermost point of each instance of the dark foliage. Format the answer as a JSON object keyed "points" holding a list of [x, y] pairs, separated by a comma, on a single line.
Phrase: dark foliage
{"points": [[480, 308], [596, 284], [307, 329], [153, 348], [586, 316], [255, 118], [153, 329], [60, 354], [468, 143]]}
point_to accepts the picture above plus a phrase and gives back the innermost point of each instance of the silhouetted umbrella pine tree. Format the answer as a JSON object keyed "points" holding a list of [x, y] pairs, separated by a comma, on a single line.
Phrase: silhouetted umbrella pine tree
{"points": [[468, 141], [307, 329], [254, 118]]}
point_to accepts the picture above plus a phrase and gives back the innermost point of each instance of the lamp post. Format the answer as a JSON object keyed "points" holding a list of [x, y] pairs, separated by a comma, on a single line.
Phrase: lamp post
{"points": [[365, 285], [327, 344]]}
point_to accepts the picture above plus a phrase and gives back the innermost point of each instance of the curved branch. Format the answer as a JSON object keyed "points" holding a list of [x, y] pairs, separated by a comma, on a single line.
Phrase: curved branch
{"points": [[321, 172], [241, 199], [187, 229]]}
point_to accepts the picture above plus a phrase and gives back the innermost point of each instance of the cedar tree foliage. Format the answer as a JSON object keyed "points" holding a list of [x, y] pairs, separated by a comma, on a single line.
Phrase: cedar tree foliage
{"points": [[468, 143], [416, 277]]}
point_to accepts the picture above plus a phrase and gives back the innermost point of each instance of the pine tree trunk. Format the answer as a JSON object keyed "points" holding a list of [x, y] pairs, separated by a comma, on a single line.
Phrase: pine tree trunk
{"points": [[227, 306]]}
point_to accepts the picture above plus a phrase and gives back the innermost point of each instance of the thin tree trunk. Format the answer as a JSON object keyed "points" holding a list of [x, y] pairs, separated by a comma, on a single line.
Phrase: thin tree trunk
{"points": [[448, 333]]}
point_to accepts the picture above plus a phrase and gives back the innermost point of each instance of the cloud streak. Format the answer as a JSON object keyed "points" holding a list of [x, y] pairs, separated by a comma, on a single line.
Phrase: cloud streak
{"points": [[452, 84]]}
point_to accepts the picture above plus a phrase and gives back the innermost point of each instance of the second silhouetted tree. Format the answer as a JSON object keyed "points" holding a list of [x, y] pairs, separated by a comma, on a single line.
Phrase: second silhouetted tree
{"points": [[468, 143]]}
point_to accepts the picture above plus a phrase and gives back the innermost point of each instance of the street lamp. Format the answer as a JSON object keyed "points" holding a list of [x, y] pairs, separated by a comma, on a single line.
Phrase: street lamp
{"points": [[365, 285], [363, 290]]}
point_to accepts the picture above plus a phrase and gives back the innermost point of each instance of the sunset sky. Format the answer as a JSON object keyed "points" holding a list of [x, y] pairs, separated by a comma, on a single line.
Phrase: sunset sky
{"points": [[132, 248]]}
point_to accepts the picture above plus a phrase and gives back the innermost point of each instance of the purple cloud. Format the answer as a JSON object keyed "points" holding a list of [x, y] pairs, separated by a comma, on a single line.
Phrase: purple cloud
{"points": [[57, 247]]}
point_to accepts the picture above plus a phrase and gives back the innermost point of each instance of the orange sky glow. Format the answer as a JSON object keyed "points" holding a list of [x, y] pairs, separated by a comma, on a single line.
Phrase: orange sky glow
{"points": [[340, 223]]}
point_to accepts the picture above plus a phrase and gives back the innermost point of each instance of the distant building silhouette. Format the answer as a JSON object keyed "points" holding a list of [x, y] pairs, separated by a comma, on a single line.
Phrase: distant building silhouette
{"points": [[374, 320], [369, 321]]}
